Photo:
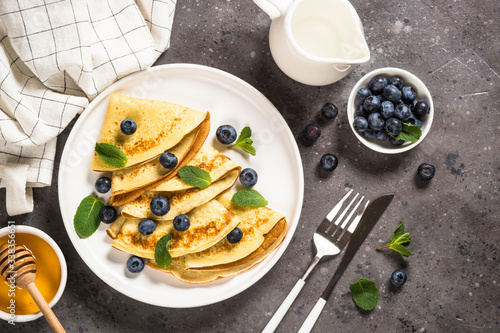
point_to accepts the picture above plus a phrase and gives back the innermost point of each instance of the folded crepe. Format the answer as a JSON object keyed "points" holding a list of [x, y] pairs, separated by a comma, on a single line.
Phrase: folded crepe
{"points": [[209, 224], [160, 126], [184, 197]]}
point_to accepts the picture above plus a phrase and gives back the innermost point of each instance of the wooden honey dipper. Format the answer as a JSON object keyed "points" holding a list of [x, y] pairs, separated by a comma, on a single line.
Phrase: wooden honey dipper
{"points": [[23, 270]]}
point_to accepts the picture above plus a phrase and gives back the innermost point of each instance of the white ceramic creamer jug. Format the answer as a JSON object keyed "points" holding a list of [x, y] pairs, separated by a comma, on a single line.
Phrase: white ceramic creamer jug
{"points": [[315, 42]]}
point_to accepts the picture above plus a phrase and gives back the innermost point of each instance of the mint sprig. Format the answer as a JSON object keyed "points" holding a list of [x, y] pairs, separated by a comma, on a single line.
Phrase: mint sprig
{"points": [[86, 219], [398, 241], [244, 142], [410, 133], [110, 154], [364, 293], [249, 197], [162, 255], [195, 176]]}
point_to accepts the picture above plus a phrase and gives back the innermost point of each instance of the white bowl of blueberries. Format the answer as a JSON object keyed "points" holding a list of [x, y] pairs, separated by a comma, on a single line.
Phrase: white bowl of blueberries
{"points": [[390, 110]]}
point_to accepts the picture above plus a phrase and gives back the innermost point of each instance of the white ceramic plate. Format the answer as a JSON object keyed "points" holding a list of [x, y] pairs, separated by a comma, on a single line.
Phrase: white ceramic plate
{"points": [[229, 101]]}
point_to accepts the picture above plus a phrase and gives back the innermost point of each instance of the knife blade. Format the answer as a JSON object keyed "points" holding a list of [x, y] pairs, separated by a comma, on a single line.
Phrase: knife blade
{"points": [[370, 217]]}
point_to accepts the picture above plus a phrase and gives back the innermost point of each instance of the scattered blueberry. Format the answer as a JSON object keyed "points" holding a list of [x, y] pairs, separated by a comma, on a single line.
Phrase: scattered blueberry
{"points": [[375, 121], [147, 227], [312, 132], [362, 94], [128, 126], [168, 160], [426, 171], [103, 185], [360, 124], [181, 222], [391, 93], [372, 104], [421, 108], [382, 135], [377, 84], [329, 162], [402, 112], [108, 214], [413, 119], [395, 142], [248, 177], [408, 94], [234, 236], [329, 111], [396, 81], [226, 134], [135, 264], [398, 278], [393, 126], [387, 110], [159, 205]]}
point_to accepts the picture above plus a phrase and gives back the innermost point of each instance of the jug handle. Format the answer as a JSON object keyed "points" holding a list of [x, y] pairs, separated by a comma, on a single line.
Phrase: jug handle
{"points": [[274, 8], [342, 69]]}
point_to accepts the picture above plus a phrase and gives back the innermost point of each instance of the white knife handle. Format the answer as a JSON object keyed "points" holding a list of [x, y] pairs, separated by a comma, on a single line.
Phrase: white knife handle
{"points": [[313, 316], [282, 310]]}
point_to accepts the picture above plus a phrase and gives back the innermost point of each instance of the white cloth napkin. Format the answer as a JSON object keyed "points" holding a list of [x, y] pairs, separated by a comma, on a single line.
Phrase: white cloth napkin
{"points": [[55, 57]]}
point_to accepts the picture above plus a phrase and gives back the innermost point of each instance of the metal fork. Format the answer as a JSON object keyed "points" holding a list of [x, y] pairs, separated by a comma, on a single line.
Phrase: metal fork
{"points": [[330, 238]]}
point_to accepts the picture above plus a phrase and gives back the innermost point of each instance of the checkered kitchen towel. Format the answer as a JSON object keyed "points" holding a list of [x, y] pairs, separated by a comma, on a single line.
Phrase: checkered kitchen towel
{"points": [[55, 57]]}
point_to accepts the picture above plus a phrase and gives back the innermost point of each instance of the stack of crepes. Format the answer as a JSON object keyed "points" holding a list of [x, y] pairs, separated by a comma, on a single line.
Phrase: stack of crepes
{"points": [[201, 253]]}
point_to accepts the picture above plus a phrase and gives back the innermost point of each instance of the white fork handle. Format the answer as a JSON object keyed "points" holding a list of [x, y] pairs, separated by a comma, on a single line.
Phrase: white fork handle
{"points": [[313, 316], [282, 310]]}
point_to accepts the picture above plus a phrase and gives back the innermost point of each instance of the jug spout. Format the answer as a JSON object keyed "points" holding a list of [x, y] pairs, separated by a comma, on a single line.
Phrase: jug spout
{"points": [[274, 8]]}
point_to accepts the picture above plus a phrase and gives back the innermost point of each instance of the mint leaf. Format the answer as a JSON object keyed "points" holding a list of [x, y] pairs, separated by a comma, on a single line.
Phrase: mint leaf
{"points": [[195, 176], [162, 256], [364, 294], [399, 240], [410, 133], [111, 155], [249, 197], [244, 142], [86, 219]]}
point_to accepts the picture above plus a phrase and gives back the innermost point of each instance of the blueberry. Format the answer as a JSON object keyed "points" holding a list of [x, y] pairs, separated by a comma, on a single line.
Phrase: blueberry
{"points": [[360, 124], [312, 132], [414, 120], [382, 135], [375, 121], [168, 160], [159, 205], [377, 84], [362, 94], [396, 81], [421, 109], [135, 264], [426, 171], [181, 222], [372, 104], [108, 214], [128, 126], [226, 134], [147, 227], [393, 126], [329, 162], [103, 185], [360, 112], [391, 93], [329, 111], [234, 236], [408, 94], [398, 278], [248, 177], [402, 112], [387, 110], [369, 133], [395, 142]]}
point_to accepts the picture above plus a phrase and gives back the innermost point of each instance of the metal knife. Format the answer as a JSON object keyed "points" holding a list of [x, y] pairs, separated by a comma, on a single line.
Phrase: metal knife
{"points": [[370, 217]]}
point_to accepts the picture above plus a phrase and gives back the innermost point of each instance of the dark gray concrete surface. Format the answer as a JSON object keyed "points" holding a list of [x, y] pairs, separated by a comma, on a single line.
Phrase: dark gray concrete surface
{"points": [[453, 283]]}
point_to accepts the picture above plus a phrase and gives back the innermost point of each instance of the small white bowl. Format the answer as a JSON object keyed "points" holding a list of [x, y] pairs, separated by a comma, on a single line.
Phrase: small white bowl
{"points": [[64, 270], [423, 93]]}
